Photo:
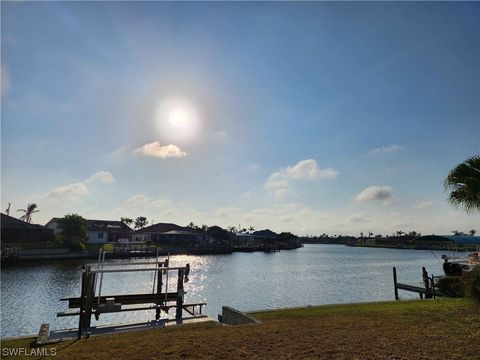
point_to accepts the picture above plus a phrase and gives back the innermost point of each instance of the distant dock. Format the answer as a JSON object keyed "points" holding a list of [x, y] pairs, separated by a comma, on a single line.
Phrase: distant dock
{"points": [[426, 289]]}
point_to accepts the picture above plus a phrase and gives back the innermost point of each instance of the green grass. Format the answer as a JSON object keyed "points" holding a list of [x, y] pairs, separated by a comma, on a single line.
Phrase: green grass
{"points": [[428, 329], [386, 307]]}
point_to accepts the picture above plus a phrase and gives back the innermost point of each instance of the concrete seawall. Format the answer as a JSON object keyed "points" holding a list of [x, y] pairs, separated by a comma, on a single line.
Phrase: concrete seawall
{"points": [[231, 316]]}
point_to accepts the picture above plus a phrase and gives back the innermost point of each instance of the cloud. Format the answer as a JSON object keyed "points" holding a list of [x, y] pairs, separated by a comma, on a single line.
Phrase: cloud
{"points": [[282, 193], [386, 149], [141, 202], [220, 136], [358, 218], [118, 153], [154, 149], [135, 201], [423, 204], [246, 195], [70, 190], [78, 189], [375, 193], [102, 176], [303, 170]]}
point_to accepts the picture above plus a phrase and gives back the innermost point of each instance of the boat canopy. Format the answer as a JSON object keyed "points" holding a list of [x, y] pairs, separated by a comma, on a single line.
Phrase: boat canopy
{"points": [[456, 239]]}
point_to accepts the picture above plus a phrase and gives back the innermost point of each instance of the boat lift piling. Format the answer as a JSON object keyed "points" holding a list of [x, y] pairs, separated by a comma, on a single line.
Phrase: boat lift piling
{"points": [[89, 303]]}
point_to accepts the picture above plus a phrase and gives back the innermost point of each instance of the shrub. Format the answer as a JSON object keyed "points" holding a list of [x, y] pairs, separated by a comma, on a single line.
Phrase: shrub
{"points": [[74, 231], [471, 281], [465, 285], [107, 247], [451, 286]]}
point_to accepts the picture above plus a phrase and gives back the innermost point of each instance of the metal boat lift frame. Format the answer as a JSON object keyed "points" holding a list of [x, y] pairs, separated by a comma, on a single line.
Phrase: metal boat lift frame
{"points": [[89, 303]]}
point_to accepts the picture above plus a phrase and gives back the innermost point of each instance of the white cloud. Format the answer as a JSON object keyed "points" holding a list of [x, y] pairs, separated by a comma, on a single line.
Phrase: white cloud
{"points": [[79, 189], [140, 202], [282, 193], [102, 176], [423, 204], [276, 181], [70, 190], [386, 149], [375, 193], [303, 170], [135, 201], [154, 149]]}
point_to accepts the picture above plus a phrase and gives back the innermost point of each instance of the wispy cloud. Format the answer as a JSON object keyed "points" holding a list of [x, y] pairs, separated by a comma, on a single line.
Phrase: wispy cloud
{"points": [[220, 136], [68, 191], [282, 193], [423, 204], [386, 149], [118, 153], [154, 149], [79, 189], [303, 170], [102, 176], [375, 193], [142, 202], [359, 218]]}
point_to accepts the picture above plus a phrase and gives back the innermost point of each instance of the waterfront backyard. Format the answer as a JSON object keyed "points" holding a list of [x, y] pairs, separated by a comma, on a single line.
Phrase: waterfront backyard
{"points": [[312, 275], [428, 329]]}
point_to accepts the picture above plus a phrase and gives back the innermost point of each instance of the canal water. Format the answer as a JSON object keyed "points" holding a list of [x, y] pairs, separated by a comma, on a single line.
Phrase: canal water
{"points": [[312, 275]]}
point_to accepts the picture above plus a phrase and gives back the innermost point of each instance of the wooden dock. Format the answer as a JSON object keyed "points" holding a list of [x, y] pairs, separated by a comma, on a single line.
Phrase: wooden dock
{"points": [[426, 289]]}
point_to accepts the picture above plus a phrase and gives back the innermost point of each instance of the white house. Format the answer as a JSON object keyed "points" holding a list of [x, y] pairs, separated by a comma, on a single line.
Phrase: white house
{"points": [[99, 231]]}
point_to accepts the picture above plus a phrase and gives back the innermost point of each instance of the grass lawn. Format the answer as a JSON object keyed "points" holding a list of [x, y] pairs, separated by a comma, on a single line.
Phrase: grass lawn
{"points": [[424, 329]]}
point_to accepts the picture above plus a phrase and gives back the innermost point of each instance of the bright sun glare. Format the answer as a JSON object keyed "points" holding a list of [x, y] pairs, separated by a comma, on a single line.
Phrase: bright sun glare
{"points": [[177, 119]]}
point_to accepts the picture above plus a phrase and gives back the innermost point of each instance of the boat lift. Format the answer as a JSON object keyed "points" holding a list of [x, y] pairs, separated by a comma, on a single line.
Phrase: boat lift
{"points": [[160, 299]]}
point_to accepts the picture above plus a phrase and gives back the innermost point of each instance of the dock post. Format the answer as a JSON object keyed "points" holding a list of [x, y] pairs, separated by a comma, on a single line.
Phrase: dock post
{"points": [[89, 293], [426, 282], [433, 286], [82, 296], [159, 291], [180, 294], [395, 283]]}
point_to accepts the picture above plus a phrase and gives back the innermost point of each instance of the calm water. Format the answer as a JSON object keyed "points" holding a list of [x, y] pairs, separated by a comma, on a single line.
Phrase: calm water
{"points": [[315, 274]]}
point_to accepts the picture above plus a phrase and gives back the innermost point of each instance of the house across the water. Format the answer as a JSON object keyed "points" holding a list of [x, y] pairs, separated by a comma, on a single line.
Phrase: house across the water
{"points": [[17, 232], [171, 234], [100, 231]]}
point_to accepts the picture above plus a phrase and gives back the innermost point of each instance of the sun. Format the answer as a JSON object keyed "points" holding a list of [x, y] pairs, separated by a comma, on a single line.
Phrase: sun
{"points": [[177, 119]]}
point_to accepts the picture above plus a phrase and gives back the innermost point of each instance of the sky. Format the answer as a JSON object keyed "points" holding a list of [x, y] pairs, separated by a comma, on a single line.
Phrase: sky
{"points": [[309, 117]]}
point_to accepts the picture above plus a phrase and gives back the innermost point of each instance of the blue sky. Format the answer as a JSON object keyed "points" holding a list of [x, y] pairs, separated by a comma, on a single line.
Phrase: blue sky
{"points": [[303, 117]]}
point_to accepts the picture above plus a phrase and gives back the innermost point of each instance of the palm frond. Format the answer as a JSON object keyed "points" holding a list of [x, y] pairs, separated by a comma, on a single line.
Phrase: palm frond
{"points": [[463, 185]]}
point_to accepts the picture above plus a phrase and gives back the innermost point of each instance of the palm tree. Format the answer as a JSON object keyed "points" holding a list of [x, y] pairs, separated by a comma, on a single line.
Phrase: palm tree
{"points": [[126, 221], [251, 229], [31, 209], [141, 222], [463, 183], [472, 232]]}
